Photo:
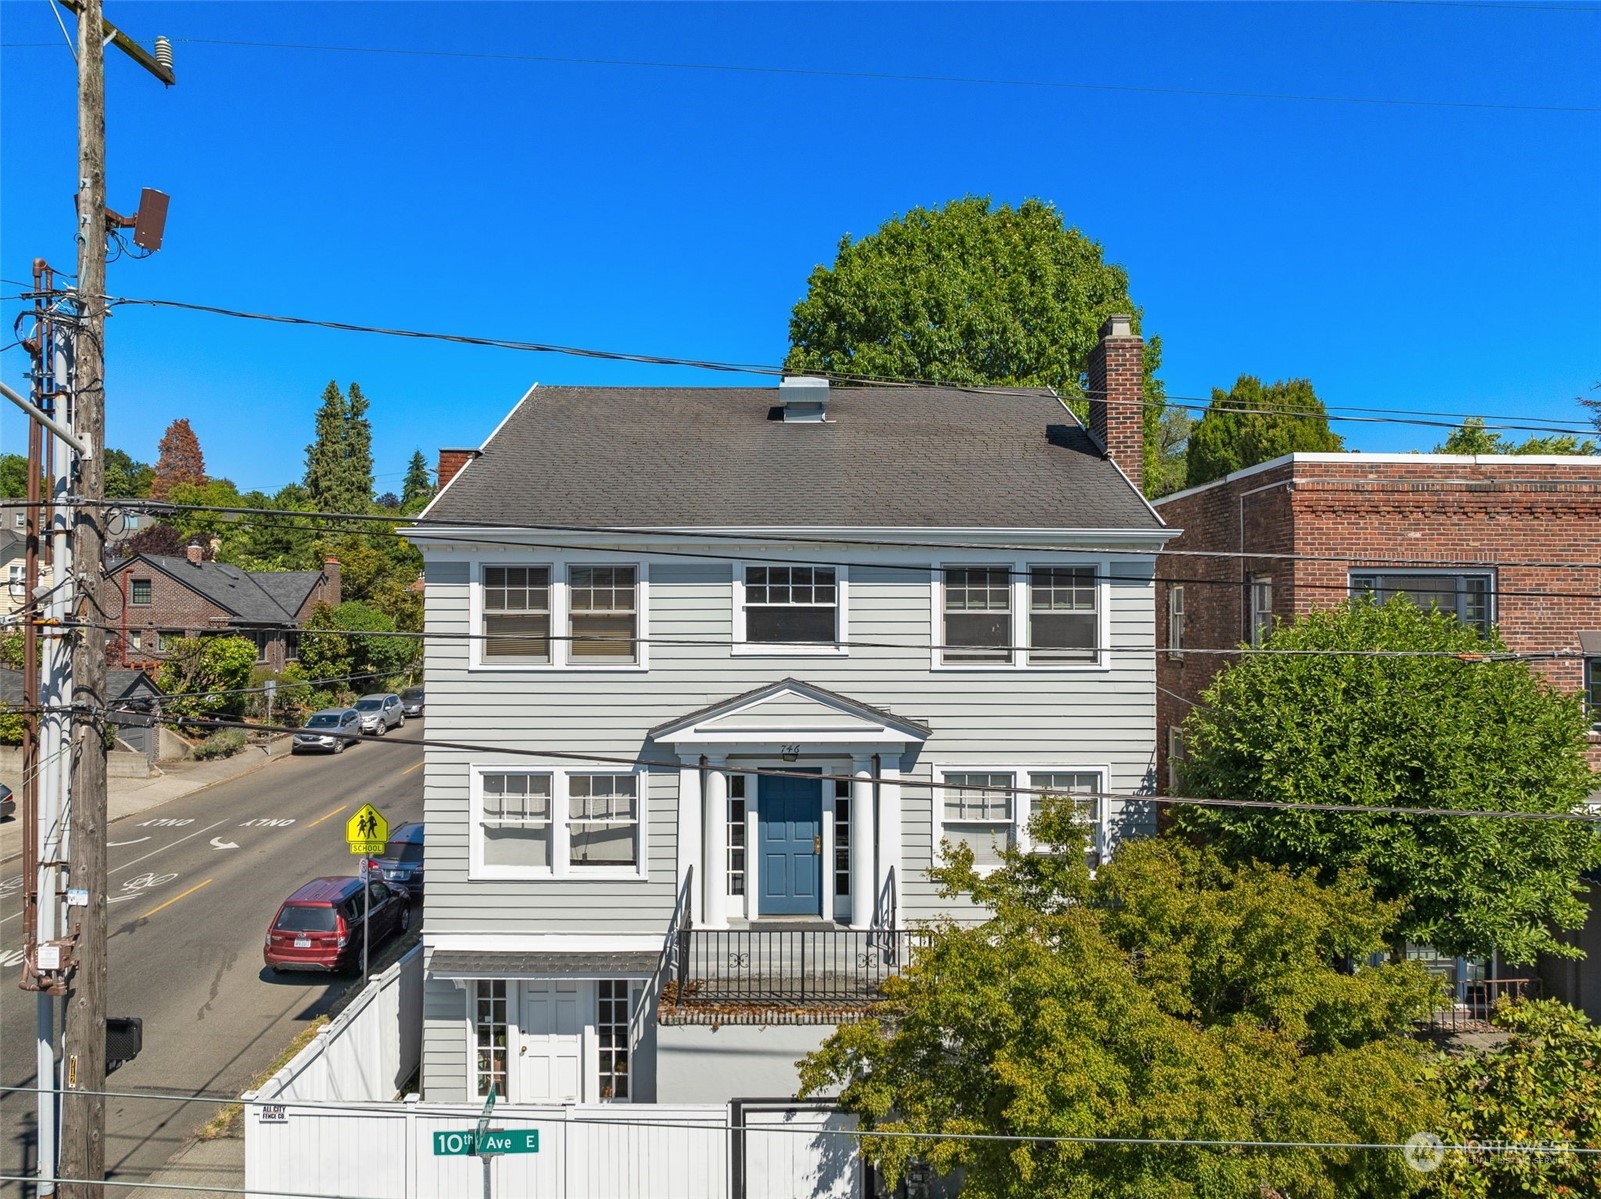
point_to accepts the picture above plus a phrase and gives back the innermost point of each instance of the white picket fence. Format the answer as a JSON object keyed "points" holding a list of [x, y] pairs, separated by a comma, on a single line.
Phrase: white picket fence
{"points": [[367, 1052], [590, 1151]]}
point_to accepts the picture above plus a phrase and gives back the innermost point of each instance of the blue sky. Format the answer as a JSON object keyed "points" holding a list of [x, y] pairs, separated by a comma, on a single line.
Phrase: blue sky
{"points": [[1412, 256]]}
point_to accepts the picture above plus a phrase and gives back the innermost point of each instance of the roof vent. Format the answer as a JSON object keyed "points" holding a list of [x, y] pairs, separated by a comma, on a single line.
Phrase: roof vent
{"points": [[804, 400]]}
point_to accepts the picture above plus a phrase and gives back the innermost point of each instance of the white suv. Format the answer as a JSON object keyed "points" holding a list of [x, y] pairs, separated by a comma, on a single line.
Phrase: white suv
{"points": [[380, 712]]}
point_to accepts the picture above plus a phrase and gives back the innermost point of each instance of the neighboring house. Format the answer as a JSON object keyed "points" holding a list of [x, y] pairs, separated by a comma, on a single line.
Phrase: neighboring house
{"points": [[1511, 541], [13, 564], [165, 598], [908, 601], [131, 694]]}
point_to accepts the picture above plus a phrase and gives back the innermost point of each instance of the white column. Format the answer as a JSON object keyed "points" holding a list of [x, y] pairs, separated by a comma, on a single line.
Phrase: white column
{"points": [[889, 829], [863, 828], [689, 803], [714, 826]]}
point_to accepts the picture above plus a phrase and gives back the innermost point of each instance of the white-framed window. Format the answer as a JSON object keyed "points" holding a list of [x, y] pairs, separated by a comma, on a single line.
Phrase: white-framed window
{"points": [[781, 609], [135, 639], [1175, 755], [1020, 615], [602, 820], [489, 1036], [1175, 620], [516, 614], [1261, 608], [559, 615], [616, 999], [981, 807], [1468, 595], [556, 823], [14, 574], [736, 834]]}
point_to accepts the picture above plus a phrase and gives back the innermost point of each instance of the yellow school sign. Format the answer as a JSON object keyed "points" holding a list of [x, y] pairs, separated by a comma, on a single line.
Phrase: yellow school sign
{"points": [[367, 831]]}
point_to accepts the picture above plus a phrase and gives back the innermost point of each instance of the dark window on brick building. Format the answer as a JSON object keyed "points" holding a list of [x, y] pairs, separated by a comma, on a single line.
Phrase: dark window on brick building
{"points": [[1466, 596], [1592, 691], [139, 592]]}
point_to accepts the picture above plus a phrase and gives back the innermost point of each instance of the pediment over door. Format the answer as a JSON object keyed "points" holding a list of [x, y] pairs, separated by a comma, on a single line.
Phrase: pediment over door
{"points": [[791, 712]]}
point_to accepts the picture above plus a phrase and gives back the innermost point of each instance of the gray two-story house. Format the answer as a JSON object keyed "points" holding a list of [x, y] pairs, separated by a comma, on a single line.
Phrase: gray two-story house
{"points": [[717, 671]]}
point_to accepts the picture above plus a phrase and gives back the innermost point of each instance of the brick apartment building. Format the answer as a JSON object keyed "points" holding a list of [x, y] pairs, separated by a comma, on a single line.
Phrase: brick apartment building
{"points": [[165, 598]]}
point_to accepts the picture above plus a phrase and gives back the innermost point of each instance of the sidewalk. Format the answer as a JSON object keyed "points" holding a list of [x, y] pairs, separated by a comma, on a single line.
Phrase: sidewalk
{"points": [[131, 796], [200, 1170]]}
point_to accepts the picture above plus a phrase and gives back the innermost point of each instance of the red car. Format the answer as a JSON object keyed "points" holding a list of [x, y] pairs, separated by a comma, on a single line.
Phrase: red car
{"points": [[320, 926]]}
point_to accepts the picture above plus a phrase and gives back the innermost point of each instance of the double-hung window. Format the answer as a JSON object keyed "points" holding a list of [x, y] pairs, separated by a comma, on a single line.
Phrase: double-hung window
{"points": [[603, 612], [516, 614], [792, 605], [1175, 620], [516, 815], [1062, 621], [603, 819], [1261, 609], [978, 813], [1083, 783], [139, 592], [1466, 596], [978, 614]]}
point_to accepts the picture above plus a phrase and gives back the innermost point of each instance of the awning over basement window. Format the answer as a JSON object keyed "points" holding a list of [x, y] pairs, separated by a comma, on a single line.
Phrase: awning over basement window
{"points": [[474, 963]]}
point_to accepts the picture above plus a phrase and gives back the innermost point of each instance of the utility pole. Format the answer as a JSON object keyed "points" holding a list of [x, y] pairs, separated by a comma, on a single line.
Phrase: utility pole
{"points": [[83, 1108]]}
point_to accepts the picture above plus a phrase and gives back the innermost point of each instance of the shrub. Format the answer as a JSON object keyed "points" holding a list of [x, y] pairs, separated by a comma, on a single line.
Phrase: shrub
{"points": [[223, 743]]}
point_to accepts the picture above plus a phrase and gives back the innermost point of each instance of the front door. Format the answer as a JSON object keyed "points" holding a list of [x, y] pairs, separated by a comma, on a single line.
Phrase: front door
{"points": [[551, 1057], [789, 815]]}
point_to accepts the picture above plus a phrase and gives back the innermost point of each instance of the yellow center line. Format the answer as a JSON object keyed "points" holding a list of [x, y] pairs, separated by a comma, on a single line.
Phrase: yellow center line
{"points": [[409, 769], [335, 812], [175, 899]]}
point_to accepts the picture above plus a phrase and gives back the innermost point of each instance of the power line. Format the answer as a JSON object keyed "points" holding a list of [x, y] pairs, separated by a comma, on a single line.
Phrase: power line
{"points": [[1585, 817], [1193, 403]]}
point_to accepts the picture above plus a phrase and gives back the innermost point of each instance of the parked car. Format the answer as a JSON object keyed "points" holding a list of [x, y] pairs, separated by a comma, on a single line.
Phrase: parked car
{"points": [[380, 712], [401, 861], [8, 805], [322, 925], [331, 729], [411, 699]]}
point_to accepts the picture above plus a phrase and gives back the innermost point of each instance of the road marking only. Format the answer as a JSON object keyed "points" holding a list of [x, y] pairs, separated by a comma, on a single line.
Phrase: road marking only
{"points": [[175, 899]]}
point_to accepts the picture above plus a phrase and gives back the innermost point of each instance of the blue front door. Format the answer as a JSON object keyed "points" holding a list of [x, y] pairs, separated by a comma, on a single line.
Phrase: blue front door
{"points": [[789, 813]]}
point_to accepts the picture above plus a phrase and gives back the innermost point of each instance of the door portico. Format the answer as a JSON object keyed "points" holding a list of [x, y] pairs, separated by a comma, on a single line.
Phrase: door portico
{"points": [[770, 735]]}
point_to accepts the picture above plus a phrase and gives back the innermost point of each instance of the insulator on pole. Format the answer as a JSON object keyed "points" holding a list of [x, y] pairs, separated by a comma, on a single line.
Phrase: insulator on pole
{"points": [[164, 53]]}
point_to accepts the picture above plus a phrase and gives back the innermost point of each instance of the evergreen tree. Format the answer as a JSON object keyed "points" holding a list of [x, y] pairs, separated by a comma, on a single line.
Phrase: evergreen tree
{"points": [[179, 461], [418, 485], [358, 451], [339, 461]]}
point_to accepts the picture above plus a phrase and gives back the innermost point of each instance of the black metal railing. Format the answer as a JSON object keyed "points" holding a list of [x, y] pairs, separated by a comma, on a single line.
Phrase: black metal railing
{"points": [[802, 965]]}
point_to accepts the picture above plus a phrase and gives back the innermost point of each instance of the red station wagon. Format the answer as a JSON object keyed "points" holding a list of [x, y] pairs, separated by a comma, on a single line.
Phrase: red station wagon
{"points": [[319, 927]]}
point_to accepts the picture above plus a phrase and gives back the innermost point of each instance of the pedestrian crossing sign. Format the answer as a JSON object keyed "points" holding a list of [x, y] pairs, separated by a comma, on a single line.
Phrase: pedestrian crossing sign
{"points": [[367, 831]]}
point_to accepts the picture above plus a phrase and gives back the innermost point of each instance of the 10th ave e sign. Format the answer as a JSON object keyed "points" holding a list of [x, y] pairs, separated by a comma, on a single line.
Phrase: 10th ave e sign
{"points": [[468, 1143]]}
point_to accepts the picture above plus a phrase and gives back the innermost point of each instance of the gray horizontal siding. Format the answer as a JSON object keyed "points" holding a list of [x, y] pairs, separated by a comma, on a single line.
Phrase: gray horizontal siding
{"points": [[999, 717], [445, 1068]]}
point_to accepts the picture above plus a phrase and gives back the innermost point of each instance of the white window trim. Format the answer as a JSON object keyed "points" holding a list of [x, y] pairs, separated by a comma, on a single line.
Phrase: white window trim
{"points": [[560, 845], [767, 649], [1488, 573], [560, 584], [1020, 801], [1175, 620], [1020, 576], [1262, 621], [1175, 755]]}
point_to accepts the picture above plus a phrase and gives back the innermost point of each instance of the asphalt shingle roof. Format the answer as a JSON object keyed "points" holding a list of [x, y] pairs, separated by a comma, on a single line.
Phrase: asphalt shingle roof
{"points": [[121, 683], [896, 457], [260, 598]]}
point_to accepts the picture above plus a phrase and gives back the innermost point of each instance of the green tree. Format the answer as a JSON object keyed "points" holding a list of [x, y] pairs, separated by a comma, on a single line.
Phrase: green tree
{"points": [[418, 488], [1542, 1086], [13, 476], [970, 293], [1437, 726], [339, 659], [1169, 997], [339, 461], [1474, 438], [1251, 423], [127, 479], [206, 677], [179, 461]]}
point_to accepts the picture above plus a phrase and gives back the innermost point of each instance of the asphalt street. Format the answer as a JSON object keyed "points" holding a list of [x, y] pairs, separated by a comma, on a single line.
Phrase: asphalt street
{"points": [[192, 886]]}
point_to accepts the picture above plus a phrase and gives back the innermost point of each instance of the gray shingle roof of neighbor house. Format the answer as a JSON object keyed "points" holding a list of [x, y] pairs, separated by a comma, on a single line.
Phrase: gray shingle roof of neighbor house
{"points": [[254, 597], [121, 683], [903, 457], [471, 963]]}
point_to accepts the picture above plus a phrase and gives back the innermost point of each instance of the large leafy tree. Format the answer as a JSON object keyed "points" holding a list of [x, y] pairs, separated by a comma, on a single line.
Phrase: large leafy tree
{"points": [[1171, 997], [1253, 422], [206, 677], [1435, 725], [344, 649], [969, 293], [13, 476], [127, 478], [339, 461], [1473, 438], [1542, 1086], [179, 461]]}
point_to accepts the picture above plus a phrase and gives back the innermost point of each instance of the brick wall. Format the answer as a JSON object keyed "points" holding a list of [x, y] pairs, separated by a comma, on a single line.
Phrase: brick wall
{"points": [[1117, 392], [1362, 510]]}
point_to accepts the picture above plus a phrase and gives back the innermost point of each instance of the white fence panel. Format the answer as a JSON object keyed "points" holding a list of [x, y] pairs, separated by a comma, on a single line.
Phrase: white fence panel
{"points": [[367, 1052], [800, 1153], [612, 1155]]}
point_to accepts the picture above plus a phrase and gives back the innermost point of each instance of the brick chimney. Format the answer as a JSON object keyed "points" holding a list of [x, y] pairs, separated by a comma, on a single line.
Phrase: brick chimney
{"points": [[450, 464], [330, 589], [1117, 395], [196, 553]]}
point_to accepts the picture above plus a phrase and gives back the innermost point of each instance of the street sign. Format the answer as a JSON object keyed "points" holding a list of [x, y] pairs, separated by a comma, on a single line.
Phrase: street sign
{"points": [[367, 831], [465, 1143]]}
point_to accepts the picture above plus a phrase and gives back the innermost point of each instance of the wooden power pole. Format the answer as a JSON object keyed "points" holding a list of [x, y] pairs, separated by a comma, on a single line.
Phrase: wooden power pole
{"points": [[83, 1082]]}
